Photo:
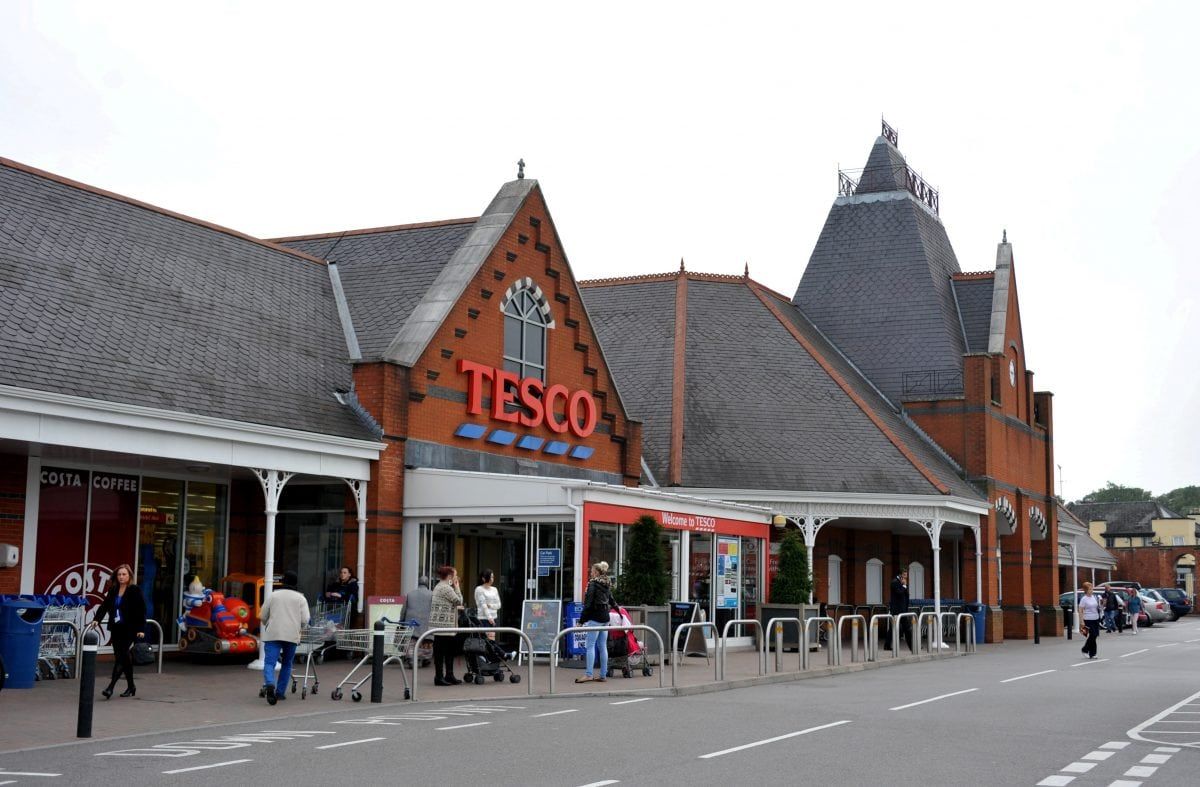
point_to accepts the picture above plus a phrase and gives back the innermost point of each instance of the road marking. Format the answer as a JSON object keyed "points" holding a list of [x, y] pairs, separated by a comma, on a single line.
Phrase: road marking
{"points": [[1137, 732], [1141, 771], [1097, 756], [1169, 749], [554, 713], [1089, 661], [629, 702], [348, 743], [463, 726], [1115, 745], [1079, 767], [601, 784], [1155, 759], [771, 740], [1056, 781], [1168, 645], [1124, 783], [1030, 675], [1189, 641], [10, 781], [206, 767], [933, 699], [1127, 655], [24, 773]]}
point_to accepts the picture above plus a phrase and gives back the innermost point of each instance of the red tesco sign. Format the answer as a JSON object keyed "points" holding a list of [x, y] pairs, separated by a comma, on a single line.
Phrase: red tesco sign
{"points": [[541, 403]]}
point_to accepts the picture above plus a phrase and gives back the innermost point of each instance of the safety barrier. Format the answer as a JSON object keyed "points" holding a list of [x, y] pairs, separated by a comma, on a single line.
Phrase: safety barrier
{"points": [[965, 633], [479, 630], [915, 637], [157, 625], [676, 653], [927, 619], [945, 620], [762, 646], [776, 625], [575, 629], [855, 619], [873, 635], [833, 655]]}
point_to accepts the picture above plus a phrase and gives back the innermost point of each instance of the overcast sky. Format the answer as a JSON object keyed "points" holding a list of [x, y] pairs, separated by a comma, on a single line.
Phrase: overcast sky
{"points": [[708, 132]]}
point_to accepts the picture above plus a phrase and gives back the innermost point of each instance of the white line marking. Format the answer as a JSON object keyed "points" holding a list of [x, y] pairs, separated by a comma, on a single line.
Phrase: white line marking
{"points": [[206, 767], [1127, 655], [10, 781], [1097, 756], [1168, 645], [463, 726], [1089, 661], [1135, 733], [22, 773], [629, 702], [349, 743], [933, 699], [1056, 781], [1141, 771], [1079, 767], [1190, 641], [773, 740], [601, 784], [1030, 675], [1155, 759], [1169, 749], [1115, 745], [1124, 783], [554, 713]]}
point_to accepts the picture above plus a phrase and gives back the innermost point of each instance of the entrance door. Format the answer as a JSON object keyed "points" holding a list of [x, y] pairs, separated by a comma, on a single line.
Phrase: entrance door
{"points": [[550, 572]]}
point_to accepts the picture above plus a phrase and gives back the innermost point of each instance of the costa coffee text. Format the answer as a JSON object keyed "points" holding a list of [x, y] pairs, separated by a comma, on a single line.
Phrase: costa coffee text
{"points": [[539, 402]]}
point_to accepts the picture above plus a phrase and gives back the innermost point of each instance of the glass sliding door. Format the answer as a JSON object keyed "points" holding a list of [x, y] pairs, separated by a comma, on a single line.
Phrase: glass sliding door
{"points": [[160, 531]]}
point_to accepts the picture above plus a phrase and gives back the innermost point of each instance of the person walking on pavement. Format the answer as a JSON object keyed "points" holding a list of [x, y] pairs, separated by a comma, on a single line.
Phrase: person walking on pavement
{"points": [[898, 605], [125, 609], [597, 602], [1112, 612], [1089, 615], [444, 608], [282, 617], [1134, 606]]}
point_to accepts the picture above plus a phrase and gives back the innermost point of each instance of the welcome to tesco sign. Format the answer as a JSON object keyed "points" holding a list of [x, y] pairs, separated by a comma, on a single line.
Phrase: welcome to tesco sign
{"points": [[540, 403]]}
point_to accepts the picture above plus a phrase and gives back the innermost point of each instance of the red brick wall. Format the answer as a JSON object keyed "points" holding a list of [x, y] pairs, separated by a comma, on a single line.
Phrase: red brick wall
{"points": [[856, 547], [12, 515], [1154, 567]]}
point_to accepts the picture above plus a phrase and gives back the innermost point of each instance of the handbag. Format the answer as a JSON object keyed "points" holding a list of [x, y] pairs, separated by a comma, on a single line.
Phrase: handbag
{"points": [[141, 653]]}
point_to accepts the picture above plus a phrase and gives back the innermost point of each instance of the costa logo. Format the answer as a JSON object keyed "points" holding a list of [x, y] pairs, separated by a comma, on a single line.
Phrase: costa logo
{"points": [[540, 403], [91, 580]]}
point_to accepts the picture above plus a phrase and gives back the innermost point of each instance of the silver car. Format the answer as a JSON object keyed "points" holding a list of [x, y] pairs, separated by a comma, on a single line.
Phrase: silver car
{"points": [[1157, 607]]}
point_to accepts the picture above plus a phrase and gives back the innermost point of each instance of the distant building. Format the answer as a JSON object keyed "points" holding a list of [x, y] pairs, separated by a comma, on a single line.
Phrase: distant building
{"points": [[1153, 544]]}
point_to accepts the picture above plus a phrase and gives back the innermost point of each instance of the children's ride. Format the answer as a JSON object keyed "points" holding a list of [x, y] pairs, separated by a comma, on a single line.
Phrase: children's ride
{"points": [[212, 623]]}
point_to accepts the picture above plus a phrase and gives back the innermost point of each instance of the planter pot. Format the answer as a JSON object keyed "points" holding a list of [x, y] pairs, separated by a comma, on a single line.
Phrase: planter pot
{"points": [[657, 618], [791, 632]]}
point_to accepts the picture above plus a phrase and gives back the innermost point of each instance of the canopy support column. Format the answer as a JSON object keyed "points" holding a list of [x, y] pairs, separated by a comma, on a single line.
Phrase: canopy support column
{"points": [[272, 483], [360, 501]]}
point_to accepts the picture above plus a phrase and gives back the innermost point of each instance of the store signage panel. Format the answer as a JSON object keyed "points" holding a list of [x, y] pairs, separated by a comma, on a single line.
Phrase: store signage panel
{"points": [[674, 520], [727, 573], [549, 558], [539, 403]]}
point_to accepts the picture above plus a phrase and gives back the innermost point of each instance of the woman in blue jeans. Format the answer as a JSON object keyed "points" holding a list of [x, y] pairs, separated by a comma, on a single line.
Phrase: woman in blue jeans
{"points": [[597, 601]]}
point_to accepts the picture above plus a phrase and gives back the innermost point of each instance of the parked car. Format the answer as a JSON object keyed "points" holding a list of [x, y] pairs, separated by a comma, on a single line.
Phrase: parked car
{"points": [[1180, 603], [1144, 618], [1156, 605], [1067, 601]]}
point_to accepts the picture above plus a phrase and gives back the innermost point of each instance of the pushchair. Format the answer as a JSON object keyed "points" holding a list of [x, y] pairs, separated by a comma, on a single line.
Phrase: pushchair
{"points": [[625, 653], [484, 657]]}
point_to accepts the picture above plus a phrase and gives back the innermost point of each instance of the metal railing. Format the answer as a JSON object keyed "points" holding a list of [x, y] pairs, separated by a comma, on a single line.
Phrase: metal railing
{"points": [[914, 636], [776, 625], [855, 619], [934, 631], [833, 656], [157, 625], [945, 620], [873, 635], [416, 648], [965, 633], [761, 648], [585, 629], [676, 652]]}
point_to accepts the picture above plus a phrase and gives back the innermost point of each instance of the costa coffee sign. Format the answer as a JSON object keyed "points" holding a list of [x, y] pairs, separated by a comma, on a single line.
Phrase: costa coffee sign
{"points": [[556, 406]]}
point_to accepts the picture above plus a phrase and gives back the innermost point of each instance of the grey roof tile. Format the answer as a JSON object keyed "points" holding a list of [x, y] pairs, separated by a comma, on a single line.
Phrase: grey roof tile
{"points": [[1125, 518], [974, 298]]}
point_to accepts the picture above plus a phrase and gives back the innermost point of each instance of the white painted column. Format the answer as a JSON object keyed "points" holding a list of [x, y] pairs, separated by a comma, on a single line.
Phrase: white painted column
{"points": [[360, 500], [978, 564], [272, 483], [810, 543], [685, 566], [33, 499]]}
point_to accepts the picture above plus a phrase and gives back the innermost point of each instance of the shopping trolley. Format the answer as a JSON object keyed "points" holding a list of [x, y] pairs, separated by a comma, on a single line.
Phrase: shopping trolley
{"points": [[61, 625], [326, 618], [397, 645]]}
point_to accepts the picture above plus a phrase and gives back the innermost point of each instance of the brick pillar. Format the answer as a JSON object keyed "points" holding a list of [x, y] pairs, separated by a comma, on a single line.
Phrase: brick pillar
{"points": [[12, 516], [383, 390]]}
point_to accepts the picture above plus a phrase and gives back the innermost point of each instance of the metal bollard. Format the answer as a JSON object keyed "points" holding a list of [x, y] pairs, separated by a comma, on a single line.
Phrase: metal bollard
{"points": [[87, 685], [1037, 629], [1069, 614], [377, 663]]}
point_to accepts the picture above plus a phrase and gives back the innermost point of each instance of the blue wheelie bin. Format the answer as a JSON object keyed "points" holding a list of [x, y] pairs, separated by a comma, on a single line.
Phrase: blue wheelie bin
{"points": [[20, 635], [979, 612]]}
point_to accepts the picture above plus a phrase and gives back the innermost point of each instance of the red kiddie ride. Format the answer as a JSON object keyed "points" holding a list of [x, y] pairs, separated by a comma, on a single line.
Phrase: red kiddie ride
{"points": [[212, 623]]}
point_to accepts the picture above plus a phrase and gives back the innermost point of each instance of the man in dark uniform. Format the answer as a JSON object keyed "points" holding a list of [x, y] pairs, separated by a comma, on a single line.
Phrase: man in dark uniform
{"points": [[898, 604]]}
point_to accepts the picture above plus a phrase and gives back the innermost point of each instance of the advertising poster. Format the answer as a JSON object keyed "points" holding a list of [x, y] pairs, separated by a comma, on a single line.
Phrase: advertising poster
{"points": [[727, 573]]}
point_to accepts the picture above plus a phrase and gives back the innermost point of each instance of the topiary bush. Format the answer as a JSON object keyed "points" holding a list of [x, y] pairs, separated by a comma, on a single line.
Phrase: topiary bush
{"points": [[644, 580], [791, 584]]}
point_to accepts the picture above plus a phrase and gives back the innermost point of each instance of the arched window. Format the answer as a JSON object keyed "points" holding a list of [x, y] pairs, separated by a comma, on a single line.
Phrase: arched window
{"points": [[526, 320], [916, 580], [834, 579], [874, 581]]}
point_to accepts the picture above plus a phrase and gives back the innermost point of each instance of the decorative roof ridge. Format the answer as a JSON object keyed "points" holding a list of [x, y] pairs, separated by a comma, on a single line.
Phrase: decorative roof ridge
{"points": [[650, 277], [963, 275], [420, 225], [75, 184]]}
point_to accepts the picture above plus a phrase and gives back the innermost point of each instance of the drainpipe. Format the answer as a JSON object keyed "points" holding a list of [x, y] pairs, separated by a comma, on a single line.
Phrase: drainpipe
{"points": [[576, 591]]}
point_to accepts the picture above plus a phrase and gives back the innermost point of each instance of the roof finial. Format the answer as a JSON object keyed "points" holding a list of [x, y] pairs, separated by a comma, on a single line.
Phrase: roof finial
{"points": [[746, 272], [521, 169], [681, 264], [1004, 238]]}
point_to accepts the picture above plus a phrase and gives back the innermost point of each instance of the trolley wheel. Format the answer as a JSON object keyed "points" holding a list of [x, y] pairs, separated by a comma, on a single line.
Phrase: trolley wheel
{"points": [[514, 678], [647, 671], [627, 673], [304, 692], [293, 686], [479, 680], [336, 694], [498, 677], [316, 685], [356, 696]]}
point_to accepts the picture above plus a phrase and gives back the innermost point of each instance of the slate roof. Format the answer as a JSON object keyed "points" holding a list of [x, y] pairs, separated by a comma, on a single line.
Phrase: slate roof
{"points": [[878, 284], [761, 412], [974, 297], [1129, 518], [1089, 552], [386, 272], [105, 298]]}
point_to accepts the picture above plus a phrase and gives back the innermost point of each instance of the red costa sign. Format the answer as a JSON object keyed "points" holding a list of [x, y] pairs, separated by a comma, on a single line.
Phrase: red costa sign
{"points": [[540, 402]]}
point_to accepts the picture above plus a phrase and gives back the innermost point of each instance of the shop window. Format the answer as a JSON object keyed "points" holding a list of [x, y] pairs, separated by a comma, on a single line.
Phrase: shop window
{"points": [[526, 320], [602, 545], [308, 534], [1177, 541]]}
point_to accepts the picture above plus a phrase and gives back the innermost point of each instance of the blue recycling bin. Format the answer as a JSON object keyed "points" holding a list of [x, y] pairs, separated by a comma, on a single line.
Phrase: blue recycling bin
{"points": [[20, 635], [979, 612]]}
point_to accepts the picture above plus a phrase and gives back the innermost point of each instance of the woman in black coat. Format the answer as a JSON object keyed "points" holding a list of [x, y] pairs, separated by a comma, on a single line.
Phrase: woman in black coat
{"points": [[125, 609]]}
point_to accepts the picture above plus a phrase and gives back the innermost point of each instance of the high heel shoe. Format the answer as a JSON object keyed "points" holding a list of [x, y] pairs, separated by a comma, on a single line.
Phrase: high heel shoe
{"points": [[129, 692], [108, 692]]}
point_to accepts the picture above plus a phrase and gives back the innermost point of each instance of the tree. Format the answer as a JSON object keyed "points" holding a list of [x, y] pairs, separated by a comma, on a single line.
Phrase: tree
{"points": [[1181, 500], [791, 584], [1117, 493], [644, 579]]}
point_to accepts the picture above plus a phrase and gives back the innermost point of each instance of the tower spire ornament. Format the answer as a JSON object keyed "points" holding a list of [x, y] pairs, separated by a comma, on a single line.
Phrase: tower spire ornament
{"points": [[1004, 237], [521, 169], [681, 264]]}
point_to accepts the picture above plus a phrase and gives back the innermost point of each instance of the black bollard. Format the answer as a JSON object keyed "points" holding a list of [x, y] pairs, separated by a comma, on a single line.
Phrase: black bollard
{"points": [[1037, 630], [87, 685], [377, 663], [1069, 614]]}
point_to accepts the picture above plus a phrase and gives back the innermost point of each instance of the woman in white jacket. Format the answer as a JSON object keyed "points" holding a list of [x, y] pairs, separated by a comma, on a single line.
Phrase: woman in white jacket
{"points": [[487, 600], [1090, 611]]}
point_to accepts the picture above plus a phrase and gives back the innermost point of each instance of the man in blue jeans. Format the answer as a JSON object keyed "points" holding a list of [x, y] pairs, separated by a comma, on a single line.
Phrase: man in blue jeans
{"points": [[282, 617]]}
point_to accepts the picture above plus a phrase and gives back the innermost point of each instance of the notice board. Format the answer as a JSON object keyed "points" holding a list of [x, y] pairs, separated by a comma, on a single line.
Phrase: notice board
{"points": [[541, 620], [693, 641]]}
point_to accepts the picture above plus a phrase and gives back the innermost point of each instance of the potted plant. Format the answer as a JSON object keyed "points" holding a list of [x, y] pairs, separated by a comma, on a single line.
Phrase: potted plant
{"points": [[791, 589], [644, 583]]}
